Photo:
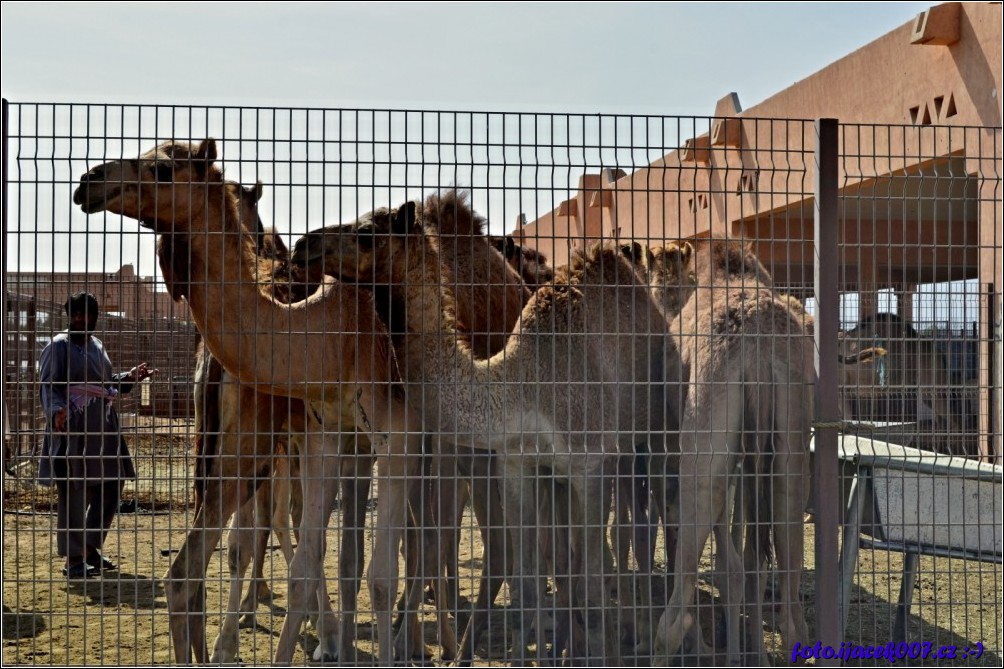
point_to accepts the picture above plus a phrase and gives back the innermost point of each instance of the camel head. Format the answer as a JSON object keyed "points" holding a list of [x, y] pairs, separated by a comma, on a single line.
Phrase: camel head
{"points": [[530, 263], [164, 189], [671, 274], [268, 243], [356, 251], [639, 254]]}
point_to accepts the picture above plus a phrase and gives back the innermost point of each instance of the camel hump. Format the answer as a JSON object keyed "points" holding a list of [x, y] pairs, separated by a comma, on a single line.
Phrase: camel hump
{"points": [[451, 214]]}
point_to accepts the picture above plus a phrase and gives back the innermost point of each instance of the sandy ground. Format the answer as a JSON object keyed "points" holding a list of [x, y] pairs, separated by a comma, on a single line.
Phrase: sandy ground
{"points": [[122, 618]]}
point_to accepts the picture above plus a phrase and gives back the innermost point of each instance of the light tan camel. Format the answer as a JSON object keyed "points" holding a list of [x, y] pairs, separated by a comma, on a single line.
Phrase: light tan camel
{"points": [[749, 360], [490, 296], [662, 270], [570, 391], [324, 350]]}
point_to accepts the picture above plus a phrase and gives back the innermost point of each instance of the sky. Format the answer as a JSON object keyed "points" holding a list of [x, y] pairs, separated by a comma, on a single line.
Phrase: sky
{"points": [[582, 58], [649, 58]]}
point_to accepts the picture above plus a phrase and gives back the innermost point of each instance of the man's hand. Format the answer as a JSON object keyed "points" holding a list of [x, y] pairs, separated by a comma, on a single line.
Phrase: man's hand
{"points": [[59, 420], [141, 372]]}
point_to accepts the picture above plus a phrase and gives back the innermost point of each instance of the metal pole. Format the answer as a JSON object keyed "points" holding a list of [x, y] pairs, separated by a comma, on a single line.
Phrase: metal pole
{"points": [[826, 466]]}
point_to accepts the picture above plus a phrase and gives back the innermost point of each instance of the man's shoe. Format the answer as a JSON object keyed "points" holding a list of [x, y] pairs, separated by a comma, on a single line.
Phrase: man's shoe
{"points": [[99, 562], [80, 570]]}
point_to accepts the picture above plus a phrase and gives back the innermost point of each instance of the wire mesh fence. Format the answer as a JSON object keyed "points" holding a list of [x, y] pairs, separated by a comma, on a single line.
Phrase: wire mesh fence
{"points": [[572, 386]]}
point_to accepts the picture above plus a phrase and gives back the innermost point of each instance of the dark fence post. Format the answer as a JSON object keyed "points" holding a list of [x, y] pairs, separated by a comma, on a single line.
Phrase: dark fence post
{"points": [[826, 486]]}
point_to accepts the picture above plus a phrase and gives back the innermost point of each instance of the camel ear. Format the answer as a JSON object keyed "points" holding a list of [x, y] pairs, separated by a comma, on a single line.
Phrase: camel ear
{"points": [[510, 246], [204, 156], [684, 253], [632, 251], [206, 150], [405, 218], [259, 190]]}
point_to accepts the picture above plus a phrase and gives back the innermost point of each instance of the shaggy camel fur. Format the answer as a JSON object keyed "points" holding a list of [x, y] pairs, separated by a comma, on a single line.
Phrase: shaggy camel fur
{"points": [[749, 361], [328, 350], [912, 364], [663, 272], [672, 291], [552, 398], [489, 298]]}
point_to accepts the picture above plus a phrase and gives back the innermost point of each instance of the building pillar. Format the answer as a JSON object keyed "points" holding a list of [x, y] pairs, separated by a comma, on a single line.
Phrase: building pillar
{"points": [[904, 303]]}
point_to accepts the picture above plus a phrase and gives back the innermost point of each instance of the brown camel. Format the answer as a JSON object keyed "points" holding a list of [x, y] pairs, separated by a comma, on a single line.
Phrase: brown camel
{"points": [[601, 389], [530, 263], [325, 350], [221, 405]]}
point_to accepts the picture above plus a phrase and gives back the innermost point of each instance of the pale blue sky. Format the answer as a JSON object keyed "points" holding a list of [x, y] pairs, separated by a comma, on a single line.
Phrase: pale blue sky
{"points": [[582, 58], [613, 58]]}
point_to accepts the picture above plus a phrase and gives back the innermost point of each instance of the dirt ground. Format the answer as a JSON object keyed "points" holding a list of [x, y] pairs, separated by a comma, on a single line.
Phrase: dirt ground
{"points": [[123, 619]]}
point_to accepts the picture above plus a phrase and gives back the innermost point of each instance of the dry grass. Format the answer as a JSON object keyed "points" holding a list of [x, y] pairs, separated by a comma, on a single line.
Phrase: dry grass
{"points": [[122, 618]]}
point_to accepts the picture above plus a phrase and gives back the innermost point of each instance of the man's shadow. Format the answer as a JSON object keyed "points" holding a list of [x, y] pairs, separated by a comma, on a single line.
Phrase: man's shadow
{"points": [[115, 588]]}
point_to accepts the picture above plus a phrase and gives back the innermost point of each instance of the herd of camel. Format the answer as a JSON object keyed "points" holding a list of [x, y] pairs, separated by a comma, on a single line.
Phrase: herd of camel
{"points": [[653, 383]]}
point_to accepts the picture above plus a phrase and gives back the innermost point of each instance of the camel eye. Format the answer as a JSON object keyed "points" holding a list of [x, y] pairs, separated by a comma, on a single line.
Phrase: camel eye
{"points": [[365, 241], [165, 172]]}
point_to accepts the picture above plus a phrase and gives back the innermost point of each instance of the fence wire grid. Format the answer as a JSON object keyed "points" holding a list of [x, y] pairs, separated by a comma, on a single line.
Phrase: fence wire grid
{"points": [[500, 388]]}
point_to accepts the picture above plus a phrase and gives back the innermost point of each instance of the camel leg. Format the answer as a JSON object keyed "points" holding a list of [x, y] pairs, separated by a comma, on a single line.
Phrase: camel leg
{"points": [[441, 534], [663, 505], [521, 518], [555, 545], [732, 592], [408, 643], [185, 578], [755, 566], [281, 512], [486, 498], [702, 493], [357, 475], [243, 543], [396, 474], [596, 557], [789, 494], [635, 527], [452, 494], [319, 474], [422, 564], [399, 465]]}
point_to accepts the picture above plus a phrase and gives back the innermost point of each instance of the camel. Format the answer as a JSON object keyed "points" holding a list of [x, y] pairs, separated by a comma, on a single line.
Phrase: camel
{"points": [[530, 263], [489, 298], [748, 359], [912, 363], [579, 400], [662, 271], [329, 350], [221, 405]]}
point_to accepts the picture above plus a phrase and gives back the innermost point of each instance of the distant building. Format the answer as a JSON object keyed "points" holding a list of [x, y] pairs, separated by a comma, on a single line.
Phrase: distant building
{"points": [[122, 293], [943, 68], [917, 206]]}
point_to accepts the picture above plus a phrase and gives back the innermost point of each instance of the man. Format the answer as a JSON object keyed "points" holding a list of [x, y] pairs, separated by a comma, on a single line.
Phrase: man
{"points": [[84, 454]]}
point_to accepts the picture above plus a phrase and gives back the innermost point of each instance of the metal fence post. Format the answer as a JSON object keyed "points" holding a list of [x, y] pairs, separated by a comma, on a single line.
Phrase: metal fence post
{"points": [[826, 474]]}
